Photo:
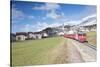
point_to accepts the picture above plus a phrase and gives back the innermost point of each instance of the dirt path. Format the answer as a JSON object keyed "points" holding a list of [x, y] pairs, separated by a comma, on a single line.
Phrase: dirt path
{"points": [[71, 51], [66, 53], [74, 55]]}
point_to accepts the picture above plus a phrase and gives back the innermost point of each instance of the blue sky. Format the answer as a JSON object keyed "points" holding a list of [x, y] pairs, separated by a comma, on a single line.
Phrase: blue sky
{"points": [[35, 16]]}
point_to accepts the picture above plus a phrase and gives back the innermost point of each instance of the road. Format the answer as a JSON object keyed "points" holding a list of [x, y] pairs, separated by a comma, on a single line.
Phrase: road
{"points": [[79, 52]]}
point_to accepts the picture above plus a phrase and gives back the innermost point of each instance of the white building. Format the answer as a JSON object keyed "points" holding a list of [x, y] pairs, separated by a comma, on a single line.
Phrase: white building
{"points": [[21, 37], [60, 33], [44, 35], [31, 35], [39, 36]]}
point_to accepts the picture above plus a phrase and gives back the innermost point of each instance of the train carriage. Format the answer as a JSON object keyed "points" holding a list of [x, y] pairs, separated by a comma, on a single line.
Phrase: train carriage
{"points": [[80, 36]]}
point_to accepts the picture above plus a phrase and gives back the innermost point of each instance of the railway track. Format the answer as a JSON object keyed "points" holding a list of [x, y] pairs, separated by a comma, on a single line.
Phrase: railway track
{"points": [[87, 51], [90, 45], [87, 44]]}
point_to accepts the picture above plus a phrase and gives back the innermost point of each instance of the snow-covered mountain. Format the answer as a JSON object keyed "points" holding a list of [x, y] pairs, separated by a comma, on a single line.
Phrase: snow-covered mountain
{"points": [[88, 21]]}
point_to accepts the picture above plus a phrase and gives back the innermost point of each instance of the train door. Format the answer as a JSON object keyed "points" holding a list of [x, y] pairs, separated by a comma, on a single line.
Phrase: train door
{"points": [[76, 36]]}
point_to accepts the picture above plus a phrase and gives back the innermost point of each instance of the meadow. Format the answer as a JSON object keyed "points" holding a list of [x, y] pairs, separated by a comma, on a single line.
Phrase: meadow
{"points": [[43, 51], [91, 38], [33, 52]]}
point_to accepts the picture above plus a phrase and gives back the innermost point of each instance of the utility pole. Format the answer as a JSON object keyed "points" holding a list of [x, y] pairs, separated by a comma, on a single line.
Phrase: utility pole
{"points": [[63, 28]]}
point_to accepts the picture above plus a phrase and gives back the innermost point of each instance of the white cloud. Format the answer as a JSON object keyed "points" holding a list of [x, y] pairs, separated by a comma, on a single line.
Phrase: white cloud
{"points": [[47, 6], [51, 6], [56, 14], [40, 8], [51, 10], [73, 22], [17, 14], [42, 25], [55, 24], [39, 26], [34, 27], [52, 14], [26, 28]]}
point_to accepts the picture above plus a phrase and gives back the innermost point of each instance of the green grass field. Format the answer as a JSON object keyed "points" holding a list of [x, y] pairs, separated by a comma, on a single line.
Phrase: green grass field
{"points": [[91, 38], [43, 51], [33, 52]]}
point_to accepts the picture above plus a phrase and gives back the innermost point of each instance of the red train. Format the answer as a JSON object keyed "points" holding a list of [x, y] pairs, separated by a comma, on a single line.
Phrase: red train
{"points": [[81, 37]]}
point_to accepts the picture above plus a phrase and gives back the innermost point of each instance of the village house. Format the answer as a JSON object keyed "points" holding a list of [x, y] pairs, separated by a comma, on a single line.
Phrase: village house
{"points": [[44, 35], [31, 35], [38, 35], [21, 36], [89, 28], [60, 33], [50, 32]]}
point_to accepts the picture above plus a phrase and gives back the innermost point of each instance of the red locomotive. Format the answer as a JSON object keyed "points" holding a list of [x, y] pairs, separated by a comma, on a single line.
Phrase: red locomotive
{"points": [[80, 36]]}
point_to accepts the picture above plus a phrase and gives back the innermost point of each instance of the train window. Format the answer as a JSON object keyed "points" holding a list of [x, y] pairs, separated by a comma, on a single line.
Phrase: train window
{"points": [[82, 34]]}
